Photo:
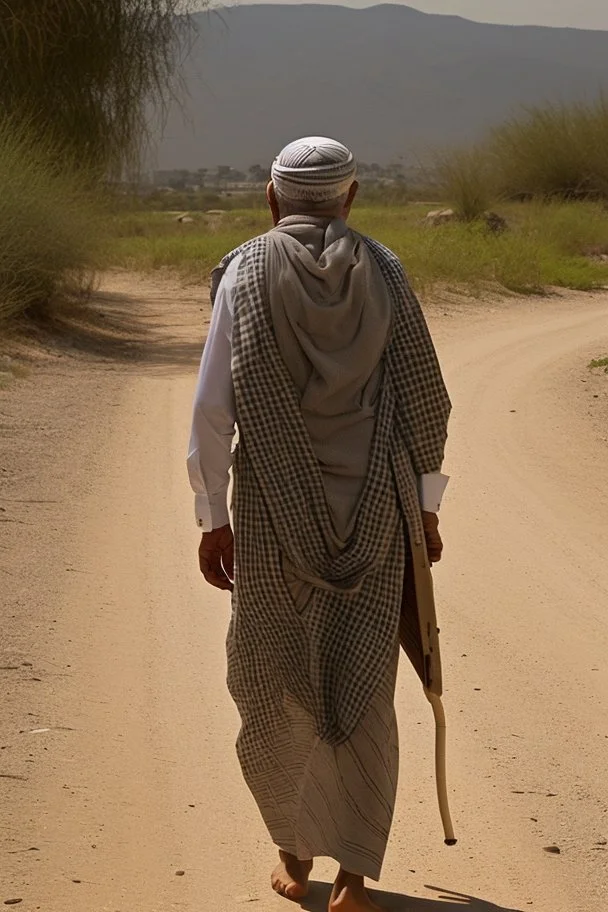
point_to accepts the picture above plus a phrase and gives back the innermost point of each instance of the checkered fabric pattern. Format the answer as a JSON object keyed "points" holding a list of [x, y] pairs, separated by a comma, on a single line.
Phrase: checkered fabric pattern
{"points": [[332, 654], [423, 406]]}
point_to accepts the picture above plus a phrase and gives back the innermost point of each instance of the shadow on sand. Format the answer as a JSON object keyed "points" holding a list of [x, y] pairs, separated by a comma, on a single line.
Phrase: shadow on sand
{"points": [[124, 330], [446, 901]]}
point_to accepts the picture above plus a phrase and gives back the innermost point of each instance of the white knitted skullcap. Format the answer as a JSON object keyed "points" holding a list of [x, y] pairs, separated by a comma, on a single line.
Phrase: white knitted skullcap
{"points": [[314, 169]]}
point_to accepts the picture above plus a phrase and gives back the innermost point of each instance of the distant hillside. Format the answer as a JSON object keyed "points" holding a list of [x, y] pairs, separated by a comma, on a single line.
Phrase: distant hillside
{"points": [[389, 80]]}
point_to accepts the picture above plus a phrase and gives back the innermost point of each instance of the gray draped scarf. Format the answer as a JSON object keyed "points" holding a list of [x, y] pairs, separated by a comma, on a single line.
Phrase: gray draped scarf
{"points": [[332, 317]]}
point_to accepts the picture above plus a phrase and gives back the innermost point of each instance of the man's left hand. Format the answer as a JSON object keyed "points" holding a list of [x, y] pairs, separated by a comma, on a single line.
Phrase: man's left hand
{"points": [[434, 544], [216, 557]]}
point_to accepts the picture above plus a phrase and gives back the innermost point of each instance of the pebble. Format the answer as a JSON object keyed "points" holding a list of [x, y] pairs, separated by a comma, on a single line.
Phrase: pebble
{"points": [[553, 850], [12, 902]]}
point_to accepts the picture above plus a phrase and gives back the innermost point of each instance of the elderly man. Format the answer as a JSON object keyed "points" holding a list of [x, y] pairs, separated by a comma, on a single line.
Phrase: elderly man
{"points": [[318, 354]]}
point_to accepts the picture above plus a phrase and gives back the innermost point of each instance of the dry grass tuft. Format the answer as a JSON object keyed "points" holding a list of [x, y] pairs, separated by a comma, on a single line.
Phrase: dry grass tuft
{"points": [[48, 224]]}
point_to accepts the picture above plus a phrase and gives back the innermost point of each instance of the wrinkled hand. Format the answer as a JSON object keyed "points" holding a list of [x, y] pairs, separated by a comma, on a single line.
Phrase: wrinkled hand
{"points": [[434, 544], [216, 557]]}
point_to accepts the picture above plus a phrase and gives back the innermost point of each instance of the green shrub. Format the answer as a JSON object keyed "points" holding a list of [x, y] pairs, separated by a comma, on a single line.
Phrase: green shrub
{"points": [[464, 179], [592, 126], [557, 151], [538, 155], [48, 224]]}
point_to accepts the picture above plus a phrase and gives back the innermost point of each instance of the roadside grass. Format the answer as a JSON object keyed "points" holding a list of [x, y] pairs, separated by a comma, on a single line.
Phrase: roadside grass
{"points": [[599, 363], [147, 241], [466, 181], [547, 245]]}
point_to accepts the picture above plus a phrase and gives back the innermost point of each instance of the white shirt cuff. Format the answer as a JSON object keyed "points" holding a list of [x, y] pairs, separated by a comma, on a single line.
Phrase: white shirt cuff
{"points": [[431, 489], [211, 513]]}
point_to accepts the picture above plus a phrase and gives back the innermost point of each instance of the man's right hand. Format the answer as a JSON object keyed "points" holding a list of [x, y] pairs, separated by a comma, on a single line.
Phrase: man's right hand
{"points": [[434, 544], [216, 557]]}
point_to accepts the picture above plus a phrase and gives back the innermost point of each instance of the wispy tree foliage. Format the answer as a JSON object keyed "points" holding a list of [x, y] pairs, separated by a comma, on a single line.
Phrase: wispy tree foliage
{"points": [[83, 73], [78, 80]]}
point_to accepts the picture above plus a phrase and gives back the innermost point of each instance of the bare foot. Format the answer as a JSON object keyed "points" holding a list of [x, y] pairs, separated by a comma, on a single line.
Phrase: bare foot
{"points": [[349, 895], [290, 877]]}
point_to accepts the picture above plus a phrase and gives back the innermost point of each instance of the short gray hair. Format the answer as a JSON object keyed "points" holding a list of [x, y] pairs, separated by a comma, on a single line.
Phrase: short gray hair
{"points": [[322, 208]]}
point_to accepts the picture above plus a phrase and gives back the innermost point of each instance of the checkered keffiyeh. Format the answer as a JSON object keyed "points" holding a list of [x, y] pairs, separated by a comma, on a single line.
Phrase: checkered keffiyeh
{"points": [[332, 653]]}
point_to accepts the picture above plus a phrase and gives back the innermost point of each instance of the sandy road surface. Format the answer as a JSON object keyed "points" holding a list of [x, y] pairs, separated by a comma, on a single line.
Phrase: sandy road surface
{"points": [[117, 768]]}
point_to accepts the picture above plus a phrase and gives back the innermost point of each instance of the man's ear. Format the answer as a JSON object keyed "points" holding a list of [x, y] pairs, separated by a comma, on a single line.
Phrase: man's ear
{"points": [[350, 199], [272, 202]]}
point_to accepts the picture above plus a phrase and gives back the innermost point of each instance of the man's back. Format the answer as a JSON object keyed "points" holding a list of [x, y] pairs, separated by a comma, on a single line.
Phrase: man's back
{"points": [[319, 353]]}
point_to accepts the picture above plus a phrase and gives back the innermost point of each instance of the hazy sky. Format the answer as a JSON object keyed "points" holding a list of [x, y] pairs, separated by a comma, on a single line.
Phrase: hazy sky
{"points": [[586, 14]]}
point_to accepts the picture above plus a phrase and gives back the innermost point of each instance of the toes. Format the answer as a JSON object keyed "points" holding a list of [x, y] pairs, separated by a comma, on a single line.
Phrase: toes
{"points": [[285, 884], [290, 890], [277, 885], [295, 891]]}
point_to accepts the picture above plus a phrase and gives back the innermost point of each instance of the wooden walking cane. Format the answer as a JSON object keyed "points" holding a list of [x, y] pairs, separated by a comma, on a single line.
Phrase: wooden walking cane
{"points": [[441, 766], [419, 640]]}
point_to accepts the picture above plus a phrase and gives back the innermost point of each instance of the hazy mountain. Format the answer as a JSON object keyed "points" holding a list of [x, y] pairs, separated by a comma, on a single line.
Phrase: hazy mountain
{"points": [[388, 80]]}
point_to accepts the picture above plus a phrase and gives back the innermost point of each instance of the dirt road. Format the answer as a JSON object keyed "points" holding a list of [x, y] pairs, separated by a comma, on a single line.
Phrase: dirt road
{"points": [[119, 787]]}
